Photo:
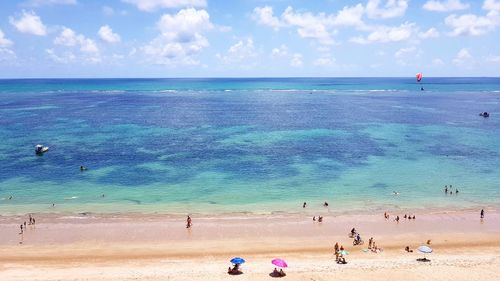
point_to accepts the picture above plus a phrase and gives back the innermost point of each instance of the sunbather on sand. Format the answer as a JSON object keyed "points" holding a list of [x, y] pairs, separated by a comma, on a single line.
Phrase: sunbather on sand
{"points": [[282, 273]]}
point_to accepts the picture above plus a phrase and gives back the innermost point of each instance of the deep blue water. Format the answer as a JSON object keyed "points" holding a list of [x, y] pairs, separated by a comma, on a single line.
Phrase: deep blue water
{"points": [[248, 145]]}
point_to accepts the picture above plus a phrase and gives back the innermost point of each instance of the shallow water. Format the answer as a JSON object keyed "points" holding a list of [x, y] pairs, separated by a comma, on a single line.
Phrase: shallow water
{"points": [[248, 145]]}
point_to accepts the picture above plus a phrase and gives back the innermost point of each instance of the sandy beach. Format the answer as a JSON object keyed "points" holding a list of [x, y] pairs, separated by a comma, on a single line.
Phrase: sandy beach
{"points": [[158, 247]]}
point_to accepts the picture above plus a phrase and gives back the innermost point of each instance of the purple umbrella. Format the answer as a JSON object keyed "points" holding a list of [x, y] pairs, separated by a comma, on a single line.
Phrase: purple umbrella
{"points": [[279, 263]]}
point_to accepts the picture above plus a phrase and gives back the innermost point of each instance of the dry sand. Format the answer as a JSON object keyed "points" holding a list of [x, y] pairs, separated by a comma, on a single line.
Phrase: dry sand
{"points": [[161, 248]]}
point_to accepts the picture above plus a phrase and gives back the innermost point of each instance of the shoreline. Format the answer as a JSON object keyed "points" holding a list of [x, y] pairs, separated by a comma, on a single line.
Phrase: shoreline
{"points": [[299, 211], [161, 248], [138, 228]]}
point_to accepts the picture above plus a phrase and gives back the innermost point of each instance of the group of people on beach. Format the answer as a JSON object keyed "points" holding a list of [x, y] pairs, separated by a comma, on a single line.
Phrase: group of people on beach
{"points": [[320, 218], [339, 253], [278, 273], [235, 270], [409, 217], [358, 241], [373, 247], [23, 226]]}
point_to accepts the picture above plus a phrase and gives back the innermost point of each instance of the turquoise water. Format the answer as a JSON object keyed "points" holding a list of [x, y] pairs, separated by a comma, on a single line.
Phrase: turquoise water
{"points": [[248, 145]]}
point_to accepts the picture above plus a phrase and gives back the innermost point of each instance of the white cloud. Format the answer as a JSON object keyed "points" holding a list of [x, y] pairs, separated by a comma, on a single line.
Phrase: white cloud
{"points": [[37, 3], [437, 62], [282, 51], [406, 55], [264, 16], [151, 5], [463, 57], [391, 9], [349, 16], [239, 52], [4, 42], [309, 25], [6, 54], [491, 5], [181, 37], [471, 24], [404, 52], [66, 57], [430, 33], [30, 23], [384, 34], [296, 60], [78, 48], [70, 38], [106, 34], [493, 59], [445, 6], [324, 61], [320, 27]]}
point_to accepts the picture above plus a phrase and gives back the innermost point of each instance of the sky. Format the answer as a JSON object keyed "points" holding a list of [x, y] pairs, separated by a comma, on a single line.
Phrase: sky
{"points": [[248, 38]]}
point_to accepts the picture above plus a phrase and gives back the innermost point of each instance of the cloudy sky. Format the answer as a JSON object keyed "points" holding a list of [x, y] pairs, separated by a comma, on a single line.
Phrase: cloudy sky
{"points": [[248, 38]]}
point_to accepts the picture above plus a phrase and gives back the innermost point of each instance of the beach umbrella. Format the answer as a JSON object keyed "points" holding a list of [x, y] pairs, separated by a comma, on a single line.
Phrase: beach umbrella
{"points": [[279, 263], [237, 260], [344, 253], [425, 250]]}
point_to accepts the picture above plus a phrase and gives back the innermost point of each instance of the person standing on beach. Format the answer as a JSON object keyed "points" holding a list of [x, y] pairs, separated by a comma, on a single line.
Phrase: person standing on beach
{"points": [[21, 229], [188, 222], [482, 213]]}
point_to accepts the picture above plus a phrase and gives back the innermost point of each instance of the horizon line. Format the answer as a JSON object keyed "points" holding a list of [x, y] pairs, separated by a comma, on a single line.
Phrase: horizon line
{"points": [[230, 77]]}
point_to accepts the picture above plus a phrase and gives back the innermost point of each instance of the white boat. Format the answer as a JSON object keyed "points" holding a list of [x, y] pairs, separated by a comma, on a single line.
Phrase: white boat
{"points": [[40, 149]]}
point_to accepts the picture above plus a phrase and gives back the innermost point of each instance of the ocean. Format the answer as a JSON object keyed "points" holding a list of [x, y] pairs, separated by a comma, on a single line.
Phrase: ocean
{"points": [[255, 145]]}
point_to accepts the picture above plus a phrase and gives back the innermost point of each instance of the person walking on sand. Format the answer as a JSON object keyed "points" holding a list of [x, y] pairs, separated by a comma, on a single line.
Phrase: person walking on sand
{"points": [[21, 226], [482, 213], [397, 219], [188, 222]]}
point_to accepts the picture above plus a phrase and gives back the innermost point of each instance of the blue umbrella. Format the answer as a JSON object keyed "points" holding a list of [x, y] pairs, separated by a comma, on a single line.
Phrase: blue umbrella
{"points": [[237, 261]]}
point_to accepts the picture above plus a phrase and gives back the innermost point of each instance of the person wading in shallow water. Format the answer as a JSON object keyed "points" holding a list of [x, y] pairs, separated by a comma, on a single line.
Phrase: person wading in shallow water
{"points": [[188, 222]]}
